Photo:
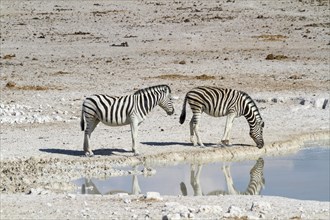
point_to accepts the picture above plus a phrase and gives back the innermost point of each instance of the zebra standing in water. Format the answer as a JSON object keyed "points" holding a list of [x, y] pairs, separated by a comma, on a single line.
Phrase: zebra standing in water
{"points": [[124, 110], [219, 102]]}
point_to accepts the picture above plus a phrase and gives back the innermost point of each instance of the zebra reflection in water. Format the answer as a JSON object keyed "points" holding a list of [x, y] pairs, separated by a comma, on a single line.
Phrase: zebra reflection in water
{"points": [[256, 183], [89, 187], [254, 187]]}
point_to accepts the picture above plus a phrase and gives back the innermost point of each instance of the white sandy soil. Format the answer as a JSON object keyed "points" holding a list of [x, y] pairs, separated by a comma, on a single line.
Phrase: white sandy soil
{"points": [[55, 53]]}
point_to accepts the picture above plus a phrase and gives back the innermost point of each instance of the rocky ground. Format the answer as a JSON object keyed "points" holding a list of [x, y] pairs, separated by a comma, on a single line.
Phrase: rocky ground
{"points": [[55, 53]]}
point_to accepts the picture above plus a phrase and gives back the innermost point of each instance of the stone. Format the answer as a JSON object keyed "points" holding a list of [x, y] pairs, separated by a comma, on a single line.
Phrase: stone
{"points": [[260, 206], [153, 195], [210, 209], [235, 210]]}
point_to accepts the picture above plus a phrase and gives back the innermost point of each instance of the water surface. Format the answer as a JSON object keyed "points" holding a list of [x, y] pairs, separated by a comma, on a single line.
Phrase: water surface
{"points": [[302, 175]]}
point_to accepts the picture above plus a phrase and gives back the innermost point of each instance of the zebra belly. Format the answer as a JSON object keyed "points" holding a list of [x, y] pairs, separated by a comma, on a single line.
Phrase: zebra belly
{"points": [[215, 113], [116, 124]]}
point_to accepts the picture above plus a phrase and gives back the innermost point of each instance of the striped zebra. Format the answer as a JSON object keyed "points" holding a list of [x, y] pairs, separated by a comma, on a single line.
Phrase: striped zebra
{"points": [[116, 111], [219, 102]]}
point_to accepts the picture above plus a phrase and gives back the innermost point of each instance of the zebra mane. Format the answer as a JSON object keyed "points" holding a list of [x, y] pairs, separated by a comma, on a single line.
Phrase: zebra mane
{"points": [[249, 99], [157, 87]]}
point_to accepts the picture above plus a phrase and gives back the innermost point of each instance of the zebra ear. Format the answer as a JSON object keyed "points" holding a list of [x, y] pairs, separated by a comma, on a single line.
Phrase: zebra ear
{"points": [[262, 124]]}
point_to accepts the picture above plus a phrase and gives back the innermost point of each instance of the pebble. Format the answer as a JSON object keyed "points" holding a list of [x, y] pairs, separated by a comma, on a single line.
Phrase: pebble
{"points": [[153, 195], [71, 196], [210, 209], [233, 212], [260, 206], [127, 201], [23, 114], [175, 216]]}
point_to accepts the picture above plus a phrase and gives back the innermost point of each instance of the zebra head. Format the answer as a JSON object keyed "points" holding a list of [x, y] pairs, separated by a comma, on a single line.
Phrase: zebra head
{"points": [[166, 101], [256, 133]]}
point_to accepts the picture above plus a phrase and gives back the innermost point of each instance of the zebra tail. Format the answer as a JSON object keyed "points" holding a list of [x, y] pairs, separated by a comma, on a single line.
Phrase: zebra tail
{"points": [[183, 112], [82, 120]]}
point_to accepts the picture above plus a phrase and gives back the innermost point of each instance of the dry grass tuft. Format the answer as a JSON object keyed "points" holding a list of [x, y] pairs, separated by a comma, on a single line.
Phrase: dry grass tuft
{"points": [[13, 85], [8, 56], [276, 57], [269, 37], [185, 77]]}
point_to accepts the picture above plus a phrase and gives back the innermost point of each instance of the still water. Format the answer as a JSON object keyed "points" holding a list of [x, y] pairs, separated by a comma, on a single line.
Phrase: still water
{"points": [[303, 175]]}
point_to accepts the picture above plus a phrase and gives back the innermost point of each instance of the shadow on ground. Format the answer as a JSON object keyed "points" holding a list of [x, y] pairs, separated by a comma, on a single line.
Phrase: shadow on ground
{"points": [[102, 152]]}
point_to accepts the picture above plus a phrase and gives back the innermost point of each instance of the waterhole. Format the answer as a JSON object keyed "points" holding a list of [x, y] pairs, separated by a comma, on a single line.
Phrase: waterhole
{"points": [[301, 175]]}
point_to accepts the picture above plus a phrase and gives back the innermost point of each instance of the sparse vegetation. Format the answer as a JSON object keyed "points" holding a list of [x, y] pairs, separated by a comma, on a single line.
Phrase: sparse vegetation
{"points": [[186, 77]]}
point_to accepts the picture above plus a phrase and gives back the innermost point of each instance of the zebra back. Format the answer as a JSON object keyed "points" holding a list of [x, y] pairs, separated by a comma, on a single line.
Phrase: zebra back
{"points": [[110, 110], [114, 110], [160, 88], [220, 102]]}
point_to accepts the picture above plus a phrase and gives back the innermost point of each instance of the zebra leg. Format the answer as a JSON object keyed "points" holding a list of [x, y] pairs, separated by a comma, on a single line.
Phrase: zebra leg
{"points": [[134, 131], [91, 125], [194, 124], [192, 138], [229, 123]]}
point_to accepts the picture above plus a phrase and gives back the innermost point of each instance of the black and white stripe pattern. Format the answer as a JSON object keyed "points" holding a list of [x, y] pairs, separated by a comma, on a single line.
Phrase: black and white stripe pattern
{"points": [[123, 110], [256, 183], [219, 102]]}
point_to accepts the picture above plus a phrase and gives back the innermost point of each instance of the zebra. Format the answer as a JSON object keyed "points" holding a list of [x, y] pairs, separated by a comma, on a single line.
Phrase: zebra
{"points": [[89, 187], [116, 111], [219, 102]]}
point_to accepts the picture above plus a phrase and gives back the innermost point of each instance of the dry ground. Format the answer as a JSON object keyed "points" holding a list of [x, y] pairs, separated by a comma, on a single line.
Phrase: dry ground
{"points": [[55, 53]]}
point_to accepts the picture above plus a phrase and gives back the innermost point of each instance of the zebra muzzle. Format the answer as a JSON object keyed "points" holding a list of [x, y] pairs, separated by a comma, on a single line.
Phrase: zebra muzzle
{"points": [[170, 112]]}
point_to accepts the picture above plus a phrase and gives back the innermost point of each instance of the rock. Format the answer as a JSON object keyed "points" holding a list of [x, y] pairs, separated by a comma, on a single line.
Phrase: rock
{"points": [[175, 216], [173, 209], [260, 206], [233, 212], [210, 209], [153, 195], [71, 196], [127, 201]]}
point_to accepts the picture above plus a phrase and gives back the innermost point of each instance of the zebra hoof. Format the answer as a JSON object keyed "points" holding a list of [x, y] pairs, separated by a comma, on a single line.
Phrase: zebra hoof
{"points": [[225, 142], [136, 154], [89, 154]]}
